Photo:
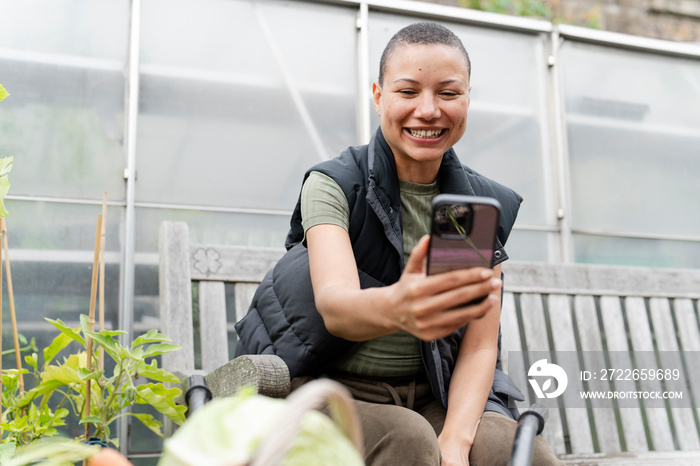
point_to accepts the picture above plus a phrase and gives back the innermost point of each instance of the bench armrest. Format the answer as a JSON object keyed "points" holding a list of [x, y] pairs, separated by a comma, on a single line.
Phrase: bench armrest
{"points": [[268, 374]]}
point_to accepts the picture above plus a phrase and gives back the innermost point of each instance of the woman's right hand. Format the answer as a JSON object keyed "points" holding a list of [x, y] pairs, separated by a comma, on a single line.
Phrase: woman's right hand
{"points": [[431, 307]]}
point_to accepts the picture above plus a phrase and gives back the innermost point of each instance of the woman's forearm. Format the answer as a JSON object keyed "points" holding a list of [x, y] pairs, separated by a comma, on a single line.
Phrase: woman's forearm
{"points": [[354, 314], [469, 389]]}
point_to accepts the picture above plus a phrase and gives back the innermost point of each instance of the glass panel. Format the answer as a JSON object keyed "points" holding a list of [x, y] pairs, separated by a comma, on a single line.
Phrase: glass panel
{"points": [[507, 129], [524, 245], [51, 249], [72, 27], [210, 227], [635, 251], [66, 104], [633, 129], [239, 99]]}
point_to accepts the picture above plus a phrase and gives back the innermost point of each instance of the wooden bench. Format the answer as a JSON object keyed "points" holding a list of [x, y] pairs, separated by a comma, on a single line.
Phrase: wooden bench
{"points": [[595, 312]]}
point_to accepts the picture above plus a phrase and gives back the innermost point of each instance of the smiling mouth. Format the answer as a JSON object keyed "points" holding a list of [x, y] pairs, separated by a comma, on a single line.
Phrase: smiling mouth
{"points": [[426, 134]]}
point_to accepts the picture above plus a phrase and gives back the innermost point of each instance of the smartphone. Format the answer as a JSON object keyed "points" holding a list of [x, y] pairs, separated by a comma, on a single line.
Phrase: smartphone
{"points": [[463, 233]]}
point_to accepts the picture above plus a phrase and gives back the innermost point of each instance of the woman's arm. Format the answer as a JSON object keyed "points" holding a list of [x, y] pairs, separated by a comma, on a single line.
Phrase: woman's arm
{"points": [[470, 385], [420, 305]]}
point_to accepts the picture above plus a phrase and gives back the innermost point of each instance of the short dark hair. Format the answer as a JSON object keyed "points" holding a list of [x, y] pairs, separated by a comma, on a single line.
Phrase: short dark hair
{"points": [[426, 34]]}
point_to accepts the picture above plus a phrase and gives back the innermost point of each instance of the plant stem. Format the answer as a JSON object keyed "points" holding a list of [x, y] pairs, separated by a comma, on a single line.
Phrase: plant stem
{"points": [[116, 386]]}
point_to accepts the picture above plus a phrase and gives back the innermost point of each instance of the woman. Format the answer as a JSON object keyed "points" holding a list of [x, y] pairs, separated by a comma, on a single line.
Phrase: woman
{"points": [[420, 364]]}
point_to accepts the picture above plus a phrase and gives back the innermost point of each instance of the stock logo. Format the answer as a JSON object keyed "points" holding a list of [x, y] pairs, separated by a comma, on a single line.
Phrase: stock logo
{"points": [[542, 368]]}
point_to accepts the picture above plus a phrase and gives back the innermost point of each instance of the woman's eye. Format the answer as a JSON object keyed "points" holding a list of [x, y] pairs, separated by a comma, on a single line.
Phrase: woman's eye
{"points": [[407, 92]]}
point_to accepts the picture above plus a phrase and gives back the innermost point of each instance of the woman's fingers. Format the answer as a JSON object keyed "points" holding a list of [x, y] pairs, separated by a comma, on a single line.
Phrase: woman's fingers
{"points": [[416, 260], [450, 291], [433, 316], [442, 324]]}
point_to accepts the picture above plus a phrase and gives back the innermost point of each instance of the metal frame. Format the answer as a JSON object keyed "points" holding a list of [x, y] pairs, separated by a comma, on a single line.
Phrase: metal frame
{"points": [[131, 103]]}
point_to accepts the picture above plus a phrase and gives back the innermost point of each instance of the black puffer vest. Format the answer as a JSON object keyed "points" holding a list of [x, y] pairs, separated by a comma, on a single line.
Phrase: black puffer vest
{"points": [[283, 319]]}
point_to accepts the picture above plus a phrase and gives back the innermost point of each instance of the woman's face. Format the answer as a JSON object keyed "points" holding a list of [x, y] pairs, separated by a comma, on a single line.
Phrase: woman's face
{"points": [[423, 106]]}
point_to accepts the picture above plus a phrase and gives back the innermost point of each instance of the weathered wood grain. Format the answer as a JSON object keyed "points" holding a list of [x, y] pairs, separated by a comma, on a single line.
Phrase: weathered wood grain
{"points": [[536, 339], [564, 338], [212, 325], [591, 341]]}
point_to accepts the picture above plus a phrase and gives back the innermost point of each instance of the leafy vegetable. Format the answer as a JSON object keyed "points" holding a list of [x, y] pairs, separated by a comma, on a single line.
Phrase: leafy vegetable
{"points": [[227, 431]]}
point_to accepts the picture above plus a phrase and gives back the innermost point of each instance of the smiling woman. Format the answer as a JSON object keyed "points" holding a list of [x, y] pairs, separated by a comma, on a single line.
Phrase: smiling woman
{"points": [[423, 106], [357, 305]]}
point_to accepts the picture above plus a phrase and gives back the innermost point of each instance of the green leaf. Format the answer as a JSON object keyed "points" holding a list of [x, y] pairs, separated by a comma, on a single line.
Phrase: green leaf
{"points": [[162, 399], [161, 348], [152, 336], [91, 420], [61, 341], [149, 421], [32, 360], [9, 381], [16, 372], [136, 354], [109, 345], [45, 387], [3, 93], [84, 323], [66, 330], [85, 374], [32, 413], [112, 333], [63, 374], [152, 372]]}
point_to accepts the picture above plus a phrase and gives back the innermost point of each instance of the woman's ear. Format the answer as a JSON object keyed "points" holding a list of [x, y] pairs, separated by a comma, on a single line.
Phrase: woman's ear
{"points": [[377, 95]]}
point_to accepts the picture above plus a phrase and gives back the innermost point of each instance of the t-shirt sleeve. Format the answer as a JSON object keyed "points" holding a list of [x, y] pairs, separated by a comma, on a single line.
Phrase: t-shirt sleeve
{"points": [[323, 202]]}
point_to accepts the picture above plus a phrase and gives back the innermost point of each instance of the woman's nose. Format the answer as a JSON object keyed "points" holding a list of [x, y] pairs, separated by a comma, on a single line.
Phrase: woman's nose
{"points": [[427, 108]]}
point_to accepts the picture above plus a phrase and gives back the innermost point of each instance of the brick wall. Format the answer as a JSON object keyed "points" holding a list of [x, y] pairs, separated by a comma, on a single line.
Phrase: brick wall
{"points": [[676, 20]]}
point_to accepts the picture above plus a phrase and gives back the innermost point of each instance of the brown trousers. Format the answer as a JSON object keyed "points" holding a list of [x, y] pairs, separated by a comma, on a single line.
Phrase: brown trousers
{"points": [[401, 421]]}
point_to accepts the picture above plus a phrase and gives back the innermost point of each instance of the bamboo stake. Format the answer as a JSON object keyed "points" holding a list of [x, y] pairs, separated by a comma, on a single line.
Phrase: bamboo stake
{"points": [[11, 296], [91, 320], [102, 273]]}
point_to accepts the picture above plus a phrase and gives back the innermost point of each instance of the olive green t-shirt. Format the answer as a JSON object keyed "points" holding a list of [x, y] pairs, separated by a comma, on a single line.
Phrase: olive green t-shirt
{"points": [[323, 202]]}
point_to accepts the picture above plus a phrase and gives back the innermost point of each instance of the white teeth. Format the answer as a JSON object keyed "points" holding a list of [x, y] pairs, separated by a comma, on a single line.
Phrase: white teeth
{"points": [[426, 134]]}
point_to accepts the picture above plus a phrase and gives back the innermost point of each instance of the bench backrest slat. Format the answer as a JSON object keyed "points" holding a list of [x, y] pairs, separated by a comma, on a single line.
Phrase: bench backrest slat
{"points": [[632, 420], [536, 339], [687, 325], [175, 287], [586, 318], [666, 342], [212, 324], [642, 344], [243, 293], [559, 307], [511, 347]]}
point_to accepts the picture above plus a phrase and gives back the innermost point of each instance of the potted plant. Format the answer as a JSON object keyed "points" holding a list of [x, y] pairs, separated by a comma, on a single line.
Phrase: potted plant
{"points": [[29, 417]]}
